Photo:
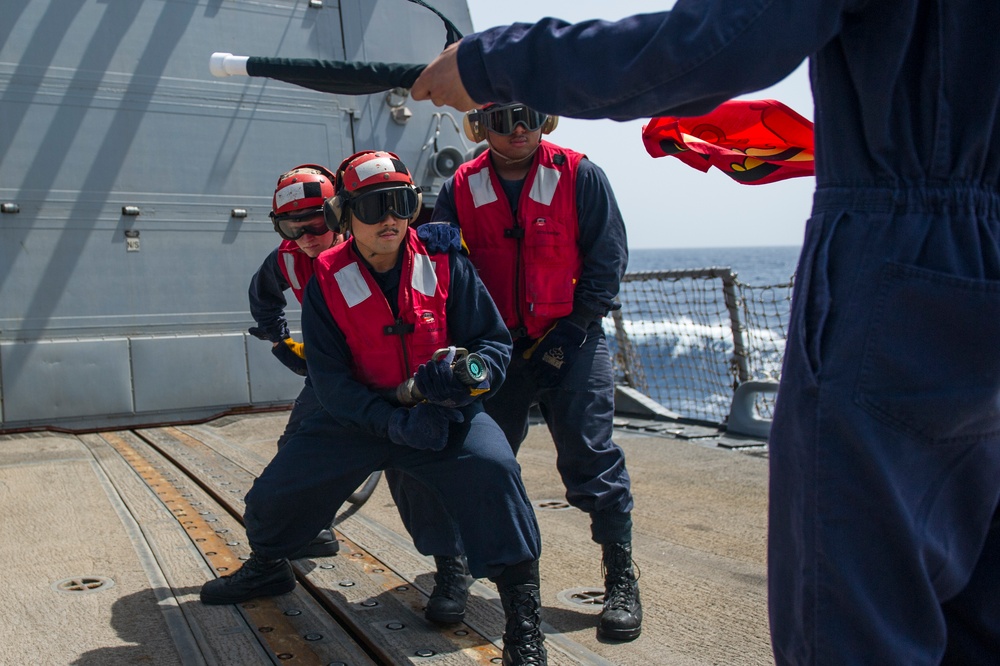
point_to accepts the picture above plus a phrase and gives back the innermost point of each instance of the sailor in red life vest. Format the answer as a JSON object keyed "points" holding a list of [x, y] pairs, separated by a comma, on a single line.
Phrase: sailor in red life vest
{"points": [[543, 229], [297, 215], [375, 311]]}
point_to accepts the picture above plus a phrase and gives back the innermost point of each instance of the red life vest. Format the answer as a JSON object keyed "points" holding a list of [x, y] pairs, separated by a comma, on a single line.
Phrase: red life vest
{"points": [[387, 351], [296, 266], [530, 265]]}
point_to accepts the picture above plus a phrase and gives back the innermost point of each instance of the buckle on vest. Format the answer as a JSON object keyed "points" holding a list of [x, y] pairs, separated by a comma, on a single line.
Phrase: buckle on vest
{"points": [[514, 232], [398, 329]]}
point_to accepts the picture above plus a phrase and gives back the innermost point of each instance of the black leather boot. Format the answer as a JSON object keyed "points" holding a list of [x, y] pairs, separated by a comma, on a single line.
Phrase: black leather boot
{"points": [[451, 590], [323, 544], [523, 642], [256, 578], [621, 618]]}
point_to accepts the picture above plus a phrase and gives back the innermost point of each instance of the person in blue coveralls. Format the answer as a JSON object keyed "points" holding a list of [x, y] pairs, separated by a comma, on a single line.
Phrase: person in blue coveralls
{"points": [[884, 529], [374, 314], [297, 216], [543, 229]]}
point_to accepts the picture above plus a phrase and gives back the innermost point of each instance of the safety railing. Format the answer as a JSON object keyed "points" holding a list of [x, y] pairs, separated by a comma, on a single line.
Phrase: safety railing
{"points": [[690, 338]]}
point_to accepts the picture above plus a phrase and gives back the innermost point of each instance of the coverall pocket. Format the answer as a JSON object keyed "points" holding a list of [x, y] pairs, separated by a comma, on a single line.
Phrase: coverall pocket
{"points": [[930, 366], [810, 303]]}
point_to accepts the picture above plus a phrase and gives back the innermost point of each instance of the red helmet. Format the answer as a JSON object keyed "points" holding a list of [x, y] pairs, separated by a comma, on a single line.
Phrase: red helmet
{"points": [[368, 170], [370, 167], [301, 191]]}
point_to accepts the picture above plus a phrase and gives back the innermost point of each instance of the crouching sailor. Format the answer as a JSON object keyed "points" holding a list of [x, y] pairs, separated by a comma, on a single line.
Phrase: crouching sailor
{"points": [[376, 310]]}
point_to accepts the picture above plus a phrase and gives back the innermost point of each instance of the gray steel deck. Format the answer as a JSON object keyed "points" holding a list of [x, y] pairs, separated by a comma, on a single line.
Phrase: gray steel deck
{"points": [[107, 538]]}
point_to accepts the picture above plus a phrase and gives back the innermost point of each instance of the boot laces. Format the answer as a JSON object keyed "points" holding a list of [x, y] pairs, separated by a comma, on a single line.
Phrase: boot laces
{"points": [[254, 566], [524, 638], [450, 580], [620, 582]]}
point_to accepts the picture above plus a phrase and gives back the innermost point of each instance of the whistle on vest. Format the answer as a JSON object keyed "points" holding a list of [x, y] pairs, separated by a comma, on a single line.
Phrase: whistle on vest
{"points": [[470, 369]]}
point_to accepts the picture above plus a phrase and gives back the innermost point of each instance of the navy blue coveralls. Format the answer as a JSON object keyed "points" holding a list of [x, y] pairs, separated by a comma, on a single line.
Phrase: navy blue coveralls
{"points": [[884, 531], [267, 307], [580, 410], [475, 477]]}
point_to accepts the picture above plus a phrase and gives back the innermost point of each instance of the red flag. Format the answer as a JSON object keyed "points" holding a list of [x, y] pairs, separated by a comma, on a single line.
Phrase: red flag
{"points": [[751, 141]]}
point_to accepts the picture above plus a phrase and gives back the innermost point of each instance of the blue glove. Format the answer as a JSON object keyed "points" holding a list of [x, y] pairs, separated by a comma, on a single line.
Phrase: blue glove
{"points": [[290, 353], [440, 237], [273, 334], [436, 381], [423, 427], [550, 358]]}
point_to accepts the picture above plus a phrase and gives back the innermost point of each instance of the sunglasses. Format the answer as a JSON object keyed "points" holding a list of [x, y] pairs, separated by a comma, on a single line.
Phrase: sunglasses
{"points": [[294, 228], [373, 207], [505, 120]]}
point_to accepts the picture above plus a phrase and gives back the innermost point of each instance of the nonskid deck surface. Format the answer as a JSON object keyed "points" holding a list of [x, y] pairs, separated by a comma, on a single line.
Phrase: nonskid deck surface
{"points": [[108, 537]]}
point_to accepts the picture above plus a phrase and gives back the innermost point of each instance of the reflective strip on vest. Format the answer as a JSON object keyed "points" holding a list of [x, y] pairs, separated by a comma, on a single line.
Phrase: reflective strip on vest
{"points": [[424, 277], [352, 284], [482, 188], [543, 188], [293, 279]]}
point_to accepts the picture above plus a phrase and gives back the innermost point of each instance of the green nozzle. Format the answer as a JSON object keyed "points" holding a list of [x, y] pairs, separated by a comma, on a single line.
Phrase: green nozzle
{"points": [[470, 369]]}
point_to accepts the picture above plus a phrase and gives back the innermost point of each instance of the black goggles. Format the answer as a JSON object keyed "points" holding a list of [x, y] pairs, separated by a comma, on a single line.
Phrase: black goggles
{"points": [[504, 120], [294, 228], [373, 207]]}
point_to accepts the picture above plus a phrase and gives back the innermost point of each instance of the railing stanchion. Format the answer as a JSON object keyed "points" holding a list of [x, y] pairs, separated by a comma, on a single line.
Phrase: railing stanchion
{"points": [[733, 304]]}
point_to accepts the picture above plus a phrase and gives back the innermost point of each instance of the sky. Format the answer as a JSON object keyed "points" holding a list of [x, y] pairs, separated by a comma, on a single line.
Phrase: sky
{"points": [[665, 203]]}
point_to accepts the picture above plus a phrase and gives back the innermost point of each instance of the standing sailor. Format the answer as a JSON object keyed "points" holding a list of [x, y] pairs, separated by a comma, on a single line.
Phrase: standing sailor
{"points": [[544, 231]]}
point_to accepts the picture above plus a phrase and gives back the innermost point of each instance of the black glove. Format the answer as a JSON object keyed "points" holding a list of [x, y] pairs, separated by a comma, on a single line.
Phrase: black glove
{"points": [[437, 382], [275, 333], [550, 358], [440, 237], [291, 354], [424, 426]]}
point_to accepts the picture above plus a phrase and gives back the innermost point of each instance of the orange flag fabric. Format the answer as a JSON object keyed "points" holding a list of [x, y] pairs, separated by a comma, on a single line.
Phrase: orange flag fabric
{"points": [[752, 141]]}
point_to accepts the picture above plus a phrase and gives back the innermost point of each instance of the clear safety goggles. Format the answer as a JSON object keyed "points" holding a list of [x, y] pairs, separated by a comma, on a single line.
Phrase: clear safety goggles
{"points": [[294, 228], [505, 119], [373, 207]]}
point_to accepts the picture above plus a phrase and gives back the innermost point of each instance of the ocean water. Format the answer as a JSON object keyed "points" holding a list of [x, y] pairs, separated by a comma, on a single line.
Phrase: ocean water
{"points": [[682, 338], [757, 266]]}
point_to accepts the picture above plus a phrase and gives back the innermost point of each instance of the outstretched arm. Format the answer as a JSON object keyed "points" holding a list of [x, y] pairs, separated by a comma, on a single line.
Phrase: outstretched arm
{"points": [[685, 61]]}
